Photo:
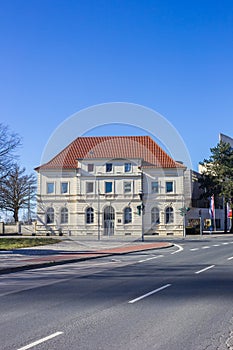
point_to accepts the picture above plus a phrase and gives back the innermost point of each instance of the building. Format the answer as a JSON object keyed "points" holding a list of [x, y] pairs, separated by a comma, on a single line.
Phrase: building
{"points": [[112, 185]]}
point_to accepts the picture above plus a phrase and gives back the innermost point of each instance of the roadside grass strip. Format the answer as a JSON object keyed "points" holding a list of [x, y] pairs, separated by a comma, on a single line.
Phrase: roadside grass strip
{"points": [[29, 346], [205, 269], [148, 294]]}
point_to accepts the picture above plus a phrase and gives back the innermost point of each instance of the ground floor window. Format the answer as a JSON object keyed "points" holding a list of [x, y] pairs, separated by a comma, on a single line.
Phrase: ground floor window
{"points": [[169, 215], [89, 215], [155, 216], [50, 216], [127, 215], [64, 216]]}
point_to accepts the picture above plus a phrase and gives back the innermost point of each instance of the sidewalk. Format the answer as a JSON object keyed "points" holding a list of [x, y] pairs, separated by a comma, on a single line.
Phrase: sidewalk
{"points": [[68, 251]]}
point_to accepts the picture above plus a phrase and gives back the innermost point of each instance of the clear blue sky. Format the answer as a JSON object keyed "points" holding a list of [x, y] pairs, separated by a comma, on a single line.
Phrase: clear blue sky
{"points": [[60, 56]]}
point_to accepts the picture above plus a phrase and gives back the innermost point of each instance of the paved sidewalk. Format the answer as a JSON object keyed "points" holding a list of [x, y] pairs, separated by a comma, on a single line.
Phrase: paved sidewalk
{"points": [[70, 250]]}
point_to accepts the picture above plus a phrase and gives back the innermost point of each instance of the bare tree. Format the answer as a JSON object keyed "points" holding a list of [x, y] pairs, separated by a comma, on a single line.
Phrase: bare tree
{"points": [[8, 143], [17, 190]]}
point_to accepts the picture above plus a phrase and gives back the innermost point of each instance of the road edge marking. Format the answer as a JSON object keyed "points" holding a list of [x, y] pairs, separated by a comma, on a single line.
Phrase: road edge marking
{"points": [[179, 250]]}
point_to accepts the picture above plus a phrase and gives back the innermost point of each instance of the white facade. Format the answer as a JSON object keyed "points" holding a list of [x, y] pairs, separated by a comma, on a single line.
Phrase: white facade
{"points": [[106, 197]]}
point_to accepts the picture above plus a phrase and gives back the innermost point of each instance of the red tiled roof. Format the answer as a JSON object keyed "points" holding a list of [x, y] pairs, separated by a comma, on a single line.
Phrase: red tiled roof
{"points": [[111, 147]]}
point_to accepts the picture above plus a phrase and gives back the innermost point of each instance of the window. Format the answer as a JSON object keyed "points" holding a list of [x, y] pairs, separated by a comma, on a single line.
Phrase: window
{"points": [[64, 187], [64, 216], [50, 187], [50, 216], [155, 216], [89, 215], [154, 187], [108, 187], [127, 215], [127, 187], [89, 187], [128, 167], [169, 186], [90, 168], [169, 215], [108, 167]]}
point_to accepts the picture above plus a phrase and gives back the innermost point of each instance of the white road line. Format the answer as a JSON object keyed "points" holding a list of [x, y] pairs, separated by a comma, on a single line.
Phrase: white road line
{"points": [[230, 258], [194, 249], [206, 247], [179, 250], [41, 341], [148, 294], [207, 268], [225, 243], [154, 257], [216, 245]]}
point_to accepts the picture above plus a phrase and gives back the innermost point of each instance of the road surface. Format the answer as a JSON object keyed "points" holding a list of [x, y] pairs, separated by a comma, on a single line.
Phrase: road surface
{"points": [[178, 298]]}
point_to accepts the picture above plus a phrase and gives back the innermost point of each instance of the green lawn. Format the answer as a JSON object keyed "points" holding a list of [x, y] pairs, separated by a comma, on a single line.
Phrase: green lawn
{"points": [[15, 243]]}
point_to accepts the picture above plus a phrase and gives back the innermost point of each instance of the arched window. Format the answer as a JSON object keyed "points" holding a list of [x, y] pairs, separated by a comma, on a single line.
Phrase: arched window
{"points": [[64, 216], [127, 215], [50, 216], [155, 216], [169, 215], [89, 215]]}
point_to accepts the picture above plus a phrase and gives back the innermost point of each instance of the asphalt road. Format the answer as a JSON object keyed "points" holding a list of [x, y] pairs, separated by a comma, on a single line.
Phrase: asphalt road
{"points": [[178, 298]]}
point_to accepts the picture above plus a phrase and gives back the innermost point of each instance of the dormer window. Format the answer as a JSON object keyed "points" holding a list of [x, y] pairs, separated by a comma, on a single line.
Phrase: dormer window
{"points": [[128, 167], [108, 167], [90, 167]]}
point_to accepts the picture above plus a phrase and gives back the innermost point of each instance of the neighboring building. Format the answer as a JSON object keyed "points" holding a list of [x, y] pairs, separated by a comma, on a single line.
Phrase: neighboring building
{"points": [[111, 186], [199, 213], [226, 139]]}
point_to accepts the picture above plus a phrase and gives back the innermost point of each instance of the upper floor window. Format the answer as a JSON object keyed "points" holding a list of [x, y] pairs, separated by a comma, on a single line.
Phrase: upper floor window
{"points": [[127, 215], [127, 187], [64, 187], [50, 187], [154, 187], [89, 215], [89, 187], [128, 167], [64, 216], [108, 187], [169, 219], [50, 216], [108, 167], [169, 186], [90, 167]]}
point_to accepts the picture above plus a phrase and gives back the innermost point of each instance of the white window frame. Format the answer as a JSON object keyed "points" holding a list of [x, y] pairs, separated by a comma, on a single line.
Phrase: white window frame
{"points": [[130, 168], [88, 183], [65, 182], [90, 167], [127, 183], [106, 165], [105, 184], [173, 186], [152, 190], [47, 187], [64, 215]]}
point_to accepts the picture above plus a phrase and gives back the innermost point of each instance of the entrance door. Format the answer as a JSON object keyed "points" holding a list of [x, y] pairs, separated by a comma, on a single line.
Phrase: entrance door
{"points": [[109, 221]]}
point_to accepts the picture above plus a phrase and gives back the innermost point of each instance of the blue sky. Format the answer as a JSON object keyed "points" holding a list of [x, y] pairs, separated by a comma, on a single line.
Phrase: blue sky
{"points": [[61, 56]]}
